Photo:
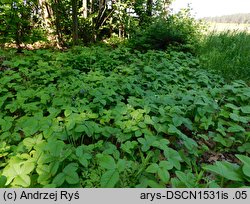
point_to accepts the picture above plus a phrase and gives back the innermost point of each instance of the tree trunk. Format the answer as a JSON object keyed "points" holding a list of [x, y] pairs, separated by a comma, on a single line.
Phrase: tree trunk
{"points": [[101, 4], [100, 17], [46, 15], [85, 9], [56, 8], [18, 39], [18, 29], [149, 7], [75, 22], [91, 6]]}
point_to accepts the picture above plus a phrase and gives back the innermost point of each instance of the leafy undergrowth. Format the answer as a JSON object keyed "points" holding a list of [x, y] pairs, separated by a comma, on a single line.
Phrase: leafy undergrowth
{"points": [[92, 117]]}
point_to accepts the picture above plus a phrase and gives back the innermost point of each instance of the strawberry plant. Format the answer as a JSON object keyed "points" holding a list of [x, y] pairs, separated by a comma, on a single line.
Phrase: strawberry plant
{"points": [[96, 117]]}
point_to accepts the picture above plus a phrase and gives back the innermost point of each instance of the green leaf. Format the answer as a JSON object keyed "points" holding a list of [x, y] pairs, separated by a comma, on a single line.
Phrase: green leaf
{"points": [[166, 165], [138, 133], [59, 179], [232, 106], [187, 179], [30, 126], [72, 178], [121, 165], [83, 161], [163, 175], [161, 144], [173, 157], [49, 186], [11, 171], [238, 118], [90, 128], [246, 164], [67, 112], [80, 128], [245, 147], [154, 184], [224, 141], [177, 120], [146, 142], [56, 148], [70, 173], [152, 168], [31, 142], [20, 170], [27, 167], [128, 146], [189, 143], [22, 180], [107, 162], [173, 130], [109, 178], [70, 168], [225, 169], [5, 124], [44, 174], [148, 120], [245, 109], [71, 124], [54, 166], [3, 180], [213, 184], [236, 128]]}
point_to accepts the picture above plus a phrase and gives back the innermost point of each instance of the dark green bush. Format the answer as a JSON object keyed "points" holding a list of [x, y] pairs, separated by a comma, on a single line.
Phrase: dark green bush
{"points": [[17, 25], [176, 30]]}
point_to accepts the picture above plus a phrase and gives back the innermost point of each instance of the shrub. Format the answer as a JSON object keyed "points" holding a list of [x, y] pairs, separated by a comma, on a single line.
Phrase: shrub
{"points": [[17, 25], [178, 30]]}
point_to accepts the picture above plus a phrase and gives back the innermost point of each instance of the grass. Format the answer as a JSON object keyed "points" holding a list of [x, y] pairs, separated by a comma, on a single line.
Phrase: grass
{"points": [[228, 53]]}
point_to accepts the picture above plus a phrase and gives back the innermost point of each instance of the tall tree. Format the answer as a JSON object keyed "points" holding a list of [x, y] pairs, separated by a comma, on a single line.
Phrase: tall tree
{"points": [[17, 22], [46, 15], [74, 22], [84, 8], [149, 7], [56, 11]]}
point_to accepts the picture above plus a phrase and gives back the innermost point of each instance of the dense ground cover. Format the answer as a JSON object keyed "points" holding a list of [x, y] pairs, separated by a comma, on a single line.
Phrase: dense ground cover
{"points": [[95, 117]]}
